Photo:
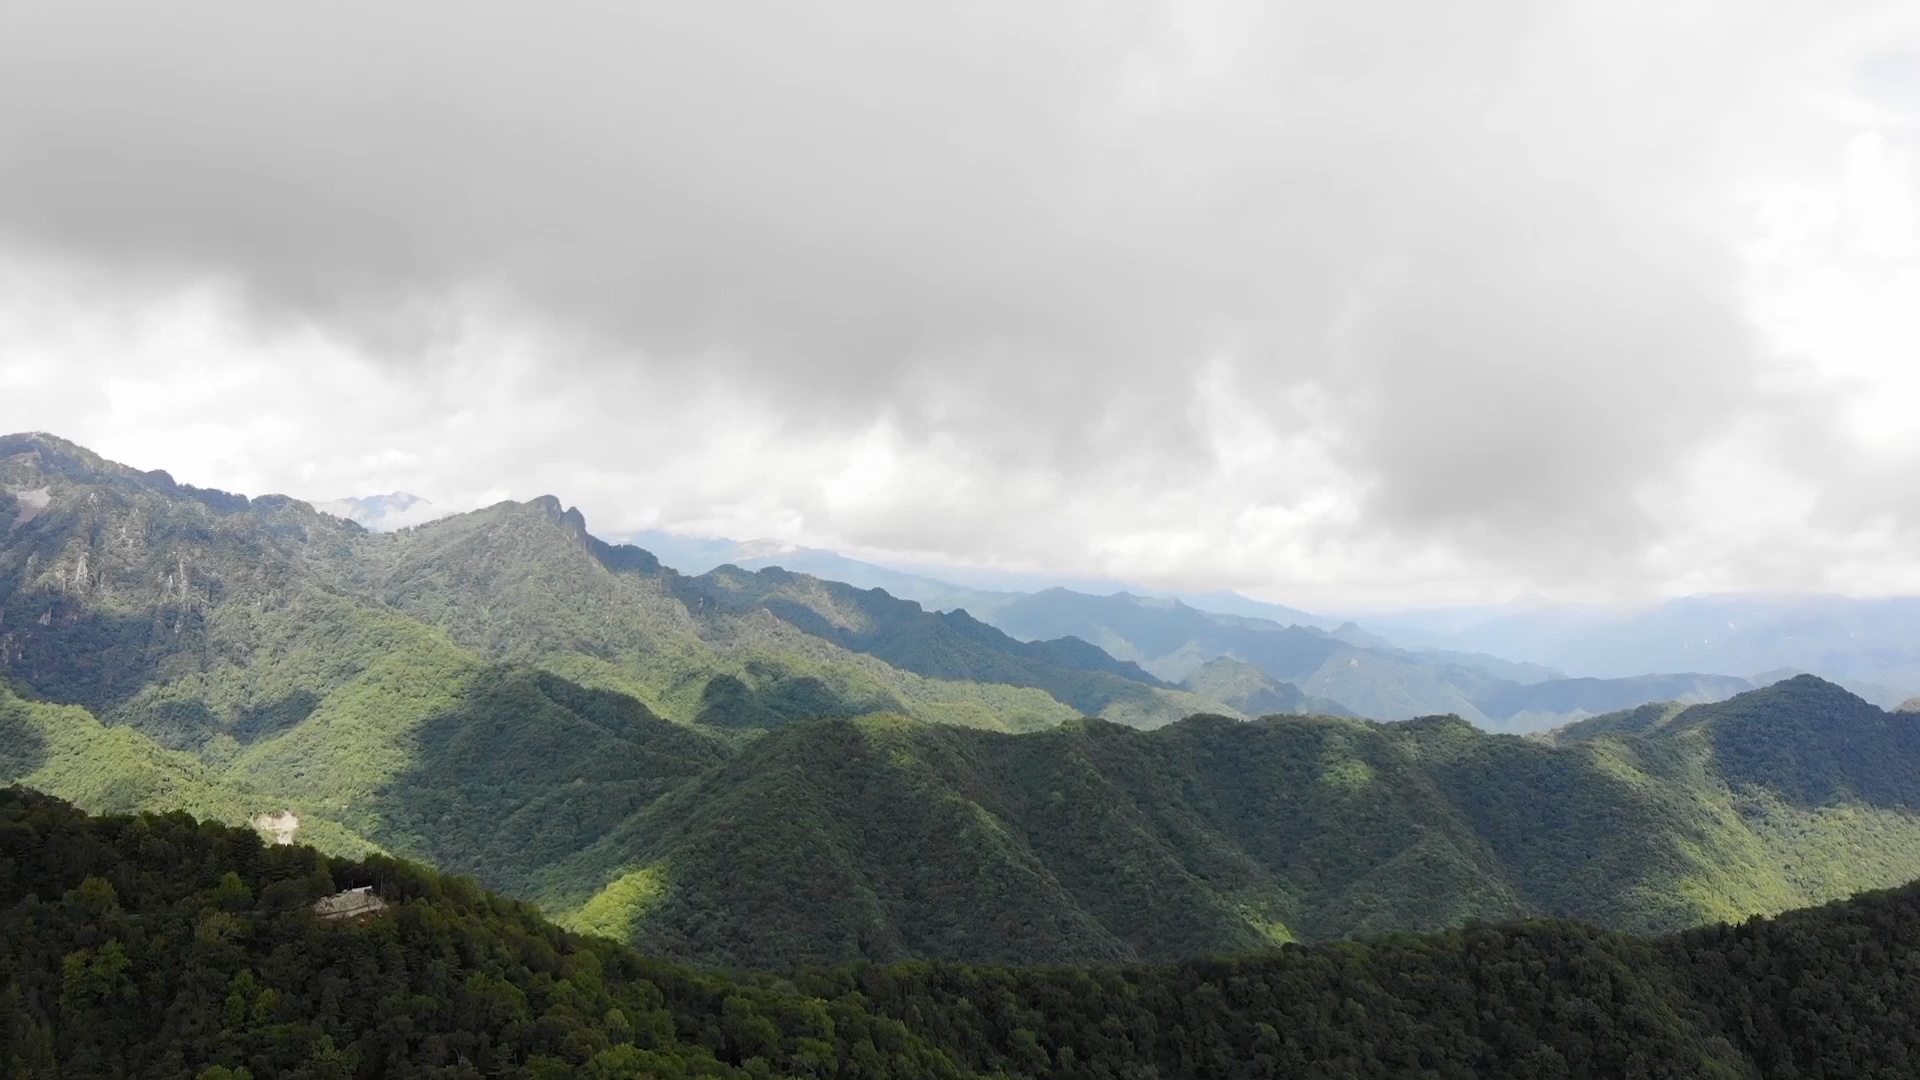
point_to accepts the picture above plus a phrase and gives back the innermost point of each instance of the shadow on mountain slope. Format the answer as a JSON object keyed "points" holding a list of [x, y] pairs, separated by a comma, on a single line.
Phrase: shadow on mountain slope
{"points": [[78, 654], [527, 769], [265, 721], [23, 749]]}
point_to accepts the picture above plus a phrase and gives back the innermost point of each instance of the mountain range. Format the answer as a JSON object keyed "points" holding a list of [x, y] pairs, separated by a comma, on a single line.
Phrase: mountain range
{"points": [[1614, 655], [939, 588], [1339, 665], [765, 768], [1748, 640], [1095, 843], [1866, 644]]}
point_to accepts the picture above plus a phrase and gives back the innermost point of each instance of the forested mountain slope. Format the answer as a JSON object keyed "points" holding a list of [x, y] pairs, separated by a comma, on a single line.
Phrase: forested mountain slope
{"points": [[1098, 843], [159, 948]]}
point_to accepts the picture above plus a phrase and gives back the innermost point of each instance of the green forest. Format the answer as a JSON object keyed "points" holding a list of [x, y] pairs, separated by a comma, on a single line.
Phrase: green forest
{"points": [[161, 947]]}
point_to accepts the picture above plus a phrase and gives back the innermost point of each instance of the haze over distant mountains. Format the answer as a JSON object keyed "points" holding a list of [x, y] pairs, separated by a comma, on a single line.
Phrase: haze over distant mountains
{"points": [[980, 590], [1870, 645], [1336, 664], [1856, 641], [1713, 646]]}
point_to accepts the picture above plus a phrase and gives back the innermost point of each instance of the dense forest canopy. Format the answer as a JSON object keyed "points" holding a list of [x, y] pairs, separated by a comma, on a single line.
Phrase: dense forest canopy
{"points": [[162, 947]]}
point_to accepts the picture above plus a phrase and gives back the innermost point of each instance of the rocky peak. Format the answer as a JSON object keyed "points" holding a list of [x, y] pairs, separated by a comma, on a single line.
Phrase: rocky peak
{"points": [[570, 517]]}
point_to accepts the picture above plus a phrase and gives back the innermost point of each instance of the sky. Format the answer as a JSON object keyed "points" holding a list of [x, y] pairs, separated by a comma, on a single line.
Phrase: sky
{"points": [[1334, 302]]}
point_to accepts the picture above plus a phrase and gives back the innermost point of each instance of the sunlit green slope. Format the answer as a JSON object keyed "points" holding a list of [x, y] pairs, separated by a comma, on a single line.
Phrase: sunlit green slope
{"points": [[1097, 842]]}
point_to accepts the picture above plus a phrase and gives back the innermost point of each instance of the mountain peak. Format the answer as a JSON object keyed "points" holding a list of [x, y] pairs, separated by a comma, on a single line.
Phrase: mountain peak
{"points": [[1814, 685], [1802, 695], [571, 517], [75, 462]]}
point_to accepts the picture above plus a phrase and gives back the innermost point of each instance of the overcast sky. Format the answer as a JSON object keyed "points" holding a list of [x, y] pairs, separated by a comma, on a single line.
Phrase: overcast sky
{"points": [[1342, 302]]}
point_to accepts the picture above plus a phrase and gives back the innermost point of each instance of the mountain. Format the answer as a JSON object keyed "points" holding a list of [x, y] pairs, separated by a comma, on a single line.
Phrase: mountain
{"points": [[1253, 691], [177, 610], [762, 767], [1868, 645], [938, 588], [1231, 603], [1539, 705], [1094, 843], [161, 947], [1171, 635], [1361, 672], [1165, 636], [1803, 740], [490, 691], [697, 555]]}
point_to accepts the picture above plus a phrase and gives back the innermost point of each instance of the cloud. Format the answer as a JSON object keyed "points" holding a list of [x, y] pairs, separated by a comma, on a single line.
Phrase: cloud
{"points": [[1349, 300]]}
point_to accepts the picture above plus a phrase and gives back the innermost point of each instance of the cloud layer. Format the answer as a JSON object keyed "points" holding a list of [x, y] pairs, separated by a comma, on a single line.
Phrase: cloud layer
{"points": [[1335, 302]]}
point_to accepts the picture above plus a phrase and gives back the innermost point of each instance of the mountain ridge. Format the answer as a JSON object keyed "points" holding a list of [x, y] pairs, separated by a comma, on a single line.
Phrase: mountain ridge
{"points": [[1104, 843]]}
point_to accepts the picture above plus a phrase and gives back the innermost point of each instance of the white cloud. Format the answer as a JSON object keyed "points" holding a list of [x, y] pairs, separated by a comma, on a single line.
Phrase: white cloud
{"points": [[1338, 303]]}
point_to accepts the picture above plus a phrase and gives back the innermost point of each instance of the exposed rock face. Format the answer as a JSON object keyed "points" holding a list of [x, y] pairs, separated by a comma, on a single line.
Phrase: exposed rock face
{"points": [[280, 826], [1911, 705], [31, 503]]}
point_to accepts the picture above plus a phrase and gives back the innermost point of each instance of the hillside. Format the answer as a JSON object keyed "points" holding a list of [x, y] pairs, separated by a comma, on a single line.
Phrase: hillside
{"points": [[159, 948], [1096, 843]]}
